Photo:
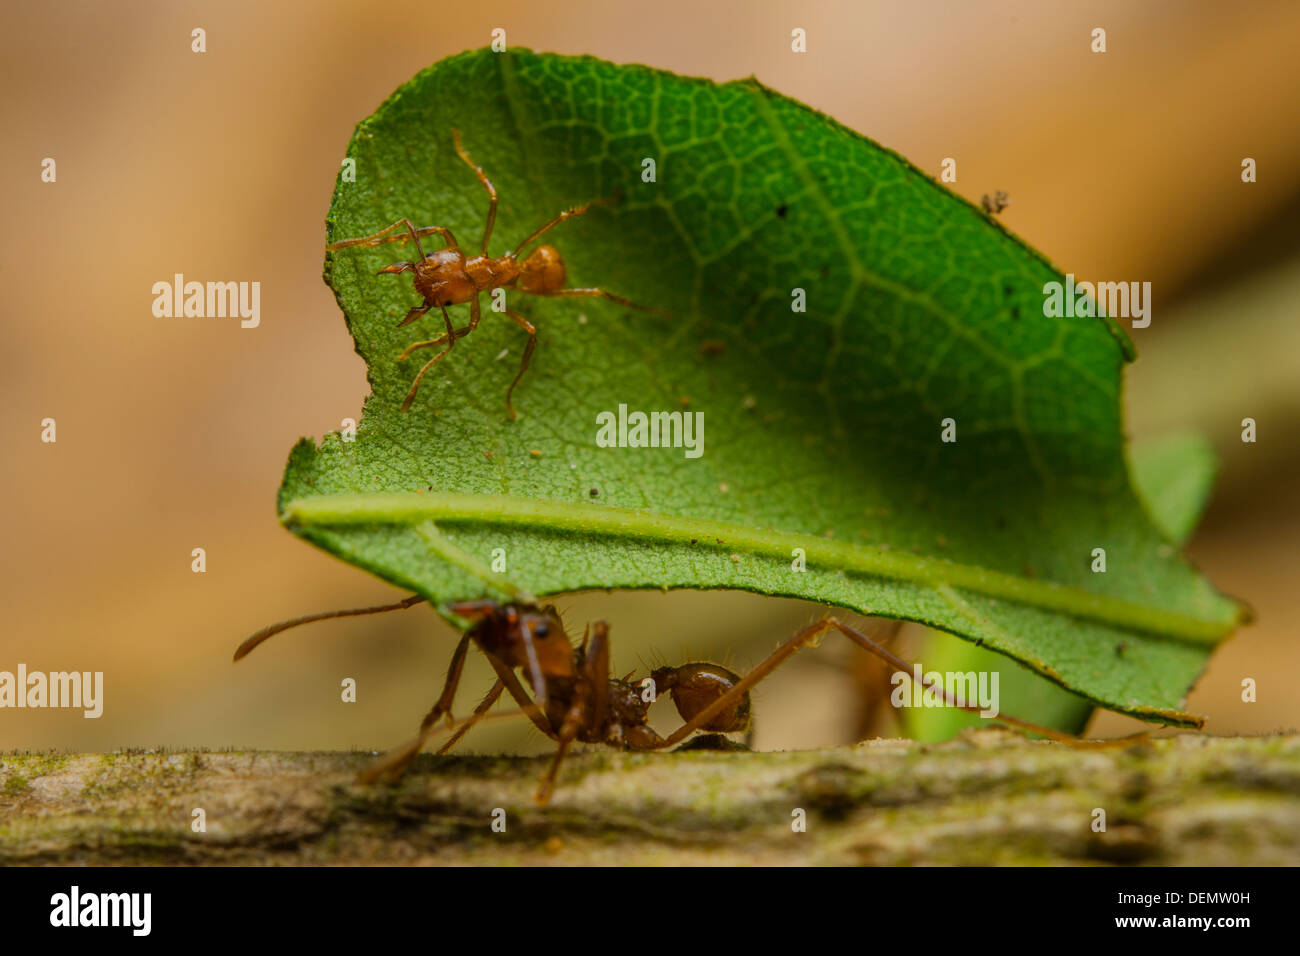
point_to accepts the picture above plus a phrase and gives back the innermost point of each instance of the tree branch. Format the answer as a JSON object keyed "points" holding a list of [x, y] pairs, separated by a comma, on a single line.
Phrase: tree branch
{"points": [[989, 797]]}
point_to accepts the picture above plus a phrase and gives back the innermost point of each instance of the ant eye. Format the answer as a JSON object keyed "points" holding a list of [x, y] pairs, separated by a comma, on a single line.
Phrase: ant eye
{"points": [[542, 630]]}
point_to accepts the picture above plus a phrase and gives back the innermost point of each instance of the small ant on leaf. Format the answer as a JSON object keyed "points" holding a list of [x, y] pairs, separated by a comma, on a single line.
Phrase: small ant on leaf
{"points": [[575, 698], [994, 204], [448, 277]]}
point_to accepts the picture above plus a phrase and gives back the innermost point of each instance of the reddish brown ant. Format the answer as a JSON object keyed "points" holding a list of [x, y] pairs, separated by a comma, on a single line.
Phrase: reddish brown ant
{"points": [[574, 696], [447, 277]]}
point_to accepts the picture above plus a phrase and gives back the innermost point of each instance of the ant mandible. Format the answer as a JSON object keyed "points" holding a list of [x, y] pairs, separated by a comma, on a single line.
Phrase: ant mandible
{"points": [[575, 698], [447, 277]]}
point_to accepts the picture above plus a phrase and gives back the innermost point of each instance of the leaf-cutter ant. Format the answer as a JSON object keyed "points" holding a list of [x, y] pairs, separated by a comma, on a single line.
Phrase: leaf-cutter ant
{"points": [[574, 698], [448, 277]]}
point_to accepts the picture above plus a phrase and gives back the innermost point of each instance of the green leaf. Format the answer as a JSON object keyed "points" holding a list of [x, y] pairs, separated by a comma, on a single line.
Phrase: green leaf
{"points": [[1174, 474], [821, 428]]}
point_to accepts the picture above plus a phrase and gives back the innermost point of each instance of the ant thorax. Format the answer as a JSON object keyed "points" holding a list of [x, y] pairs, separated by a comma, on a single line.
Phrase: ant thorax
{"points": [[629, 716], [489, 273], [442, 279], [626, 705]]}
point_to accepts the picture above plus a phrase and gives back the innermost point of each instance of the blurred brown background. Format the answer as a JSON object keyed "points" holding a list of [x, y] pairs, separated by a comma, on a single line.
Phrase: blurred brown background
{"points": [[172, 433]]}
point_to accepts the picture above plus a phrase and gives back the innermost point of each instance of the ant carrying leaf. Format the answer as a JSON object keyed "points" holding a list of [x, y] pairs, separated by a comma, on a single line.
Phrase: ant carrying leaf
{"points": [[574, 698], [447, 277]]}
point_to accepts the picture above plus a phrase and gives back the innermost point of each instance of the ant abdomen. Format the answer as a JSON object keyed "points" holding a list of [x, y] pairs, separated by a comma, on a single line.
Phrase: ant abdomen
{"points": [[543, 271], [695, 686]]}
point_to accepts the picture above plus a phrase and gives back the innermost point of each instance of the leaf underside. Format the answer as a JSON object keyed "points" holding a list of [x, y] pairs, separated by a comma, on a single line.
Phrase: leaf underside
{"points": [[1174, 475], [823, 423]]}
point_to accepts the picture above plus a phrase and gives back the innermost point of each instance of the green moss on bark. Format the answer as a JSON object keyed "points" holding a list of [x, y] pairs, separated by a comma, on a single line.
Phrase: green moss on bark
{"points": [[987, 797]]}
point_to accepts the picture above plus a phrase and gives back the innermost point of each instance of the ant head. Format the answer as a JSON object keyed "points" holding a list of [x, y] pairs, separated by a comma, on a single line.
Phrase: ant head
{"points": [[534, 639], [521, 635], [542, 624]]}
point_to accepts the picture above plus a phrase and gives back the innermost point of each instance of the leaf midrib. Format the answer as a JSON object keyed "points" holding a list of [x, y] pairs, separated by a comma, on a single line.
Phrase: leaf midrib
{"points": [[411, 509]]}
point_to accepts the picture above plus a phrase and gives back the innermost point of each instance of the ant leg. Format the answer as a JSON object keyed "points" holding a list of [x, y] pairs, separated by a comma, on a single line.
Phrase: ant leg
{"points": [[447, 697], [531, 329], [566, 214], [492, 697], [591, 709], [809, 634], [395, 761], [568, 731], [449, 337], [598, 294], [411, 233], [900, 665], [872, 685], [487, 184], [459, 333], [774, 660], [596, 656], [526, 703]]}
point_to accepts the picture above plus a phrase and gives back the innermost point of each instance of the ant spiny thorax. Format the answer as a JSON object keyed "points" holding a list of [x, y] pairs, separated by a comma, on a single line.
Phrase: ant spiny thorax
{"points": [[626, 705], [442, 279], [488, 273]]}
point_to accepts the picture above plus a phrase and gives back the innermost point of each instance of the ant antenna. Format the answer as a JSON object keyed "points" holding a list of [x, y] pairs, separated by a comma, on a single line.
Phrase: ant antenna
{"points": [[267, 632]]}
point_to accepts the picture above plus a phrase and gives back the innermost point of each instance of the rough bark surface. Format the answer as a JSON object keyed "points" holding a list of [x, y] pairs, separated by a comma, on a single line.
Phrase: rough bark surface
{"points": [[989, 797]]}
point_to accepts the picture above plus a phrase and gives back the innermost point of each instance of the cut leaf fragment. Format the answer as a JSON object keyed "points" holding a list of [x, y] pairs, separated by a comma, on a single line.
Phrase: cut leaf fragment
{"points": [[821, 429]]}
